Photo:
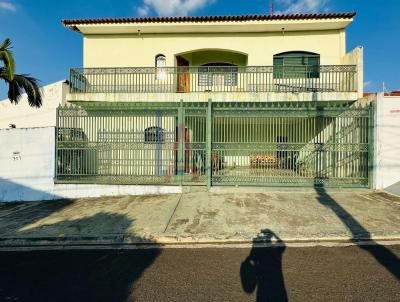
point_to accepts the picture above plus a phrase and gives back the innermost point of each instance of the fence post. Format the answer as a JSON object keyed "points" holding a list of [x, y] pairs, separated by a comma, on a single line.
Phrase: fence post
{"points": [[335, 148], [115, 80], [181, 137], [371, 145], [208, 145]]}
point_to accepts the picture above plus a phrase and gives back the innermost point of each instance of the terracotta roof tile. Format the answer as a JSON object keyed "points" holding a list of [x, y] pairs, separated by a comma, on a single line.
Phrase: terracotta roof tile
{"points": [[393, 93], [198, 19]]}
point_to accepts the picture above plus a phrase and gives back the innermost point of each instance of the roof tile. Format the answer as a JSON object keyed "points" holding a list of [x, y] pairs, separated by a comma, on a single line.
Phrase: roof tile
{"points": [[198, 19]]}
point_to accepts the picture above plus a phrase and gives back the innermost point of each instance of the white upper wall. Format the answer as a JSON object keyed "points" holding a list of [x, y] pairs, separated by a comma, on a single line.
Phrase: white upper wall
{"points": [[24, 116]]}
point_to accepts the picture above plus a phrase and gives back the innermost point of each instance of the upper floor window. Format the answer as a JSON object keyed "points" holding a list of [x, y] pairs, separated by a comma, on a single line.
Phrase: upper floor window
{"points": [[218, 74], [161, 64], [154, 135], [296, 64]]}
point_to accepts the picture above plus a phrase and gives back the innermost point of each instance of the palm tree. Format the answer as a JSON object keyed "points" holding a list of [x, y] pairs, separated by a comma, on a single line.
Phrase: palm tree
{"points": [[17, 83]]}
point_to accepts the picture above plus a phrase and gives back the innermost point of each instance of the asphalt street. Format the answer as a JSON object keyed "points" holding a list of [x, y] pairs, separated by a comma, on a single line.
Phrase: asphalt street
{"points": [[367, 273]]}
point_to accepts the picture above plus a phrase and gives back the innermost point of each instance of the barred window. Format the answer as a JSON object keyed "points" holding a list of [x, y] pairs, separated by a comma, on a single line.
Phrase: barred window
{"points": [[161, 64], [154, 135], [218, 74]]}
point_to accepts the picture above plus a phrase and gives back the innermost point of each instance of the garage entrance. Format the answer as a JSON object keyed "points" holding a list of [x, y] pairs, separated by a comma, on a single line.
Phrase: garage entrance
{"points": [[214, 144], [291, 144]]}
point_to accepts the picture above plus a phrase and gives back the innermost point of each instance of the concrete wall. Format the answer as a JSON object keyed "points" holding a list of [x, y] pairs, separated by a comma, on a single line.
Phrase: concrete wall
{"points": [[127, 50], [356, 57], [214, 96], [27, 161], [387, 143], [22, 115]]}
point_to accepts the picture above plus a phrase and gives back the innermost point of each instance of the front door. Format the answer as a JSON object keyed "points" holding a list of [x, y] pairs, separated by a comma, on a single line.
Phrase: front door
{"points": [[183, 82]]}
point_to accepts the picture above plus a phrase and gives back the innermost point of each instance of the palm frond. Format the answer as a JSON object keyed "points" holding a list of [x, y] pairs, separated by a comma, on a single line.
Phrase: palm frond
{"points": [[21, 83], [7, 57], [6, 44]]}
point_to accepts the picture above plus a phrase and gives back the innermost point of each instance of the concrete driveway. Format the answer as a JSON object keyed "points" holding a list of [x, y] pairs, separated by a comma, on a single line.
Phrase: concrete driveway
{"points": [[220, 216]]}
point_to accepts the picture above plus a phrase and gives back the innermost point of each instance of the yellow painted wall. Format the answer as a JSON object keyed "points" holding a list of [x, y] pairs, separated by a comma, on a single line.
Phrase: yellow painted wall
{"points": [[199, 58], [131, 50]]}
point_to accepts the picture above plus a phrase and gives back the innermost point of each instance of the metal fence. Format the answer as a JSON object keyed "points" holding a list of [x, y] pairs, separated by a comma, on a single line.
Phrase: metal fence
{"points": [[299, 144], [325, 78]]}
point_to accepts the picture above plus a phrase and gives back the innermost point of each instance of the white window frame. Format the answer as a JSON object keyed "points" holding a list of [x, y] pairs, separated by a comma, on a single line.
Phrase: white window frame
{"points": [[161, 70]]}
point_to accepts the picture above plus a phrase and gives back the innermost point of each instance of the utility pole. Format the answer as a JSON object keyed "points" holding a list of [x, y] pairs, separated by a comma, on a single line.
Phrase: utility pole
{"points": [[271, 7]]}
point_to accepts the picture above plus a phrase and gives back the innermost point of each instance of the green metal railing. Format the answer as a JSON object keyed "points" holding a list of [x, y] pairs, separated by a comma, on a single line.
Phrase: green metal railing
{"points": [[215, 144], [325, 78]]}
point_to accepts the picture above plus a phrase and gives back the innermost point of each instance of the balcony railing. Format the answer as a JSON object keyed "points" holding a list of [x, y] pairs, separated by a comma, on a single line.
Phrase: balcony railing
{"points": [[325, 78]]}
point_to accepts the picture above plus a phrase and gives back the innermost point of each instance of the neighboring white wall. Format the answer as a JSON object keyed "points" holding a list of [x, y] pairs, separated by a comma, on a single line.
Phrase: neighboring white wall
{"points": [[387, 143], [26, 163], [22, 115], [27, 170]]}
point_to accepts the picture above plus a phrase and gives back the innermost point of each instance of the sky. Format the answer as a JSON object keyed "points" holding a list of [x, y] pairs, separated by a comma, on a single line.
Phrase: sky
{"points": [[46, 50]]}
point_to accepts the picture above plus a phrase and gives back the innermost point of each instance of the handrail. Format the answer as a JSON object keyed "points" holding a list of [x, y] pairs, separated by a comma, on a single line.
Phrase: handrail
{"points": [[323, 78]]}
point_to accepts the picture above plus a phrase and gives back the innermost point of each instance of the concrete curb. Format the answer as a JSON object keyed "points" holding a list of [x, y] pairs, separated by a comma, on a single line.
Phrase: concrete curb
{"points": [[122, 241]]}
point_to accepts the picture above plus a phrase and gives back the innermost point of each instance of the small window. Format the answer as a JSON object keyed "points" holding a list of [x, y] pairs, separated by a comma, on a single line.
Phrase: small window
{"points": [[218, 74], [154, 135], [161, 64], [296, 64]]}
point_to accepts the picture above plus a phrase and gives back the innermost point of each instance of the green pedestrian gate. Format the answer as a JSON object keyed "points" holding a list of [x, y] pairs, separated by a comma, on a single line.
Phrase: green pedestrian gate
{"points": [[265, 144]]}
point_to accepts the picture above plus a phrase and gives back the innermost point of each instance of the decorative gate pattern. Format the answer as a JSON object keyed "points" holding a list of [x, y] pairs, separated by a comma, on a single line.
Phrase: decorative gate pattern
{"points": [[286, 144], [118, 145], [300, 144]]}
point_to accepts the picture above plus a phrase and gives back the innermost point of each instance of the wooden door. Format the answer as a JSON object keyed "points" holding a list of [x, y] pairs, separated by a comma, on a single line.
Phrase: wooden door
{"points": [[183, 83]]}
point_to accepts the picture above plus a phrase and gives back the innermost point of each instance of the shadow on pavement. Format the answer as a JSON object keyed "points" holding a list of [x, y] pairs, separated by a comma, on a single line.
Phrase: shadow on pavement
{"points": [[262, 271], [17, 216], [81, 275], [383, 255]]}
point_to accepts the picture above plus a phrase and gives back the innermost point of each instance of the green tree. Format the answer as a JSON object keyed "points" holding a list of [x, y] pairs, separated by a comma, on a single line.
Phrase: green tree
{"points": [[17, 83]]}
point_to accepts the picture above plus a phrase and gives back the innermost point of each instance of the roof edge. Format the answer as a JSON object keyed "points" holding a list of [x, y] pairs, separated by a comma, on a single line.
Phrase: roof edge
{"points": [[72, 23]]}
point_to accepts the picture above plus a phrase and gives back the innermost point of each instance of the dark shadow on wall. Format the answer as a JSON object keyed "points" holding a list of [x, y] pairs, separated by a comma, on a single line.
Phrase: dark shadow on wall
{"points": [[394, 188], [12, 191], [383, 255], [262, 270], [75, 275]]}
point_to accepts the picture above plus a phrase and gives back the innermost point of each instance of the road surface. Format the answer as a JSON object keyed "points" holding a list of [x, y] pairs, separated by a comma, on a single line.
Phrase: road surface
{"points": [[209, 274]]}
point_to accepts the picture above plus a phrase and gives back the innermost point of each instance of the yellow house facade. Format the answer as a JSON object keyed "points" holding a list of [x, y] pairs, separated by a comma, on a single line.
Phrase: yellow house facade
{"points": [[188, 51], [218, 100]]}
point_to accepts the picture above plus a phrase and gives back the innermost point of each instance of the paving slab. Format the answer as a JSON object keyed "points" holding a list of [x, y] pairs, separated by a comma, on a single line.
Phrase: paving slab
{"points": [[290, 215], [96, 217], [231, 215]]}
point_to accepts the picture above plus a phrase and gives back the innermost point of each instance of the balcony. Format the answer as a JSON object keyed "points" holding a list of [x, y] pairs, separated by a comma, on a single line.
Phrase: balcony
{"points": [[207, 80]]}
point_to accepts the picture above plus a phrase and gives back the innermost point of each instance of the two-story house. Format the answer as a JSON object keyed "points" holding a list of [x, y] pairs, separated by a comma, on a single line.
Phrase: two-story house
{"points": [[216, 100]]}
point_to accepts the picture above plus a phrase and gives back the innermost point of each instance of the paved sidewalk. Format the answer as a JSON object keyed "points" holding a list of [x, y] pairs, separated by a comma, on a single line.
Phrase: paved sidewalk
{"points": [[223, 215]]}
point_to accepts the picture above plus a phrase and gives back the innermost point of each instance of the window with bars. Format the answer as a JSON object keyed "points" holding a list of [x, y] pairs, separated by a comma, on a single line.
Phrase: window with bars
{"points": [[296, 64], [218, 74], [161, 63], [154, 135]]}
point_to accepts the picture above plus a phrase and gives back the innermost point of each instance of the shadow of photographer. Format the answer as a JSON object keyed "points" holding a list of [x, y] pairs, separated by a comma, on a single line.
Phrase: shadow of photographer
{"points": [[262, 271]]}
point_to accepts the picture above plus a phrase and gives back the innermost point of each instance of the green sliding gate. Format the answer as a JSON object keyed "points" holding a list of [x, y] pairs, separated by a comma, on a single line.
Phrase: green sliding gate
{"points": [[266, 144]]}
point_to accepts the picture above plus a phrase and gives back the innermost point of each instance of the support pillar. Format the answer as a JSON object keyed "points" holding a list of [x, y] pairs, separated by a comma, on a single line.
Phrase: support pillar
{"points": [[208, 145]]}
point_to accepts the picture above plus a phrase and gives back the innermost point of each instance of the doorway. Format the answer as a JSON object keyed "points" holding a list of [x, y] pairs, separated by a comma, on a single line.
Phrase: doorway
{"points": [[183, 81]]}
